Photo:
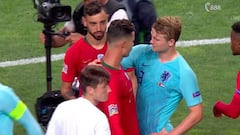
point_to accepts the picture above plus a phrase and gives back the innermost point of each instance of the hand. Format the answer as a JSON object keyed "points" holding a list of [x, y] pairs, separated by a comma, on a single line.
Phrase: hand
{"points": [[42, 37], [73, 37], [216, 111]]}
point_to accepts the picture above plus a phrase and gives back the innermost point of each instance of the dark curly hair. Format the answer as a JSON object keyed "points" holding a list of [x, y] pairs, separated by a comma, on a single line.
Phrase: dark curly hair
{"points": [[236, 27]]}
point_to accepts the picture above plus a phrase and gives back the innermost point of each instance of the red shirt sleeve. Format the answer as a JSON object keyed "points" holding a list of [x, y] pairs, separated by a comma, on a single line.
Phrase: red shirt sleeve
{"points": [[69, 70]]}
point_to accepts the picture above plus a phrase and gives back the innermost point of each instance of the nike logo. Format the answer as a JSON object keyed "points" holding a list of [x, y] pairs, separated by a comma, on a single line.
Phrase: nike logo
{"points": [[144, 65], [86, 61]]}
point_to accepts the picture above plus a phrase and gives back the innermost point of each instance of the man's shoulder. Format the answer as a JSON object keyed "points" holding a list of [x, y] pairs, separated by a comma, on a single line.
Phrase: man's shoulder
{"points": [[81, 43], [76, 49]]}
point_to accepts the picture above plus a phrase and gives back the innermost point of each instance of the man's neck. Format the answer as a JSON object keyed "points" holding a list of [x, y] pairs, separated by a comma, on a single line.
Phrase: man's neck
{"points": [[94, 102], [112, 58], [167, 56], [97, 44]]}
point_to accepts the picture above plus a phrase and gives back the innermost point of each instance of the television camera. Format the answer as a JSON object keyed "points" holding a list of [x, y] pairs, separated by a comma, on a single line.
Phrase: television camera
{"points": [[49, 13]]}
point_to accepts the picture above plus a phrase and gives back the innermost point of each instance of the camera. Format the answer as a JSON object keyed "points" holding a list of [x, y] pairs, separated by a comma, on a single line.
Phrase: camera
{"points": [[51, 11]]}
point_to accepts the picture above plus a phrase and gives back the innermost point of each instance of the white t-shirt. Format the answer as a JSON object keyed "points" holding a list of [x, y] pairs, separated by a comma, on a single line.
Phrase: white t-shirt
{"points": [[78, 117]]}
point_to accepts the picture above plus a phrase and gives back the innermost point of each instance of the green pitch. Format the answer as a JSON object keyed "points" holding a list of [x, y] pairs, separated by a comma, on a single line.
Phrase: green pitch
{"points": [[214, 65]]}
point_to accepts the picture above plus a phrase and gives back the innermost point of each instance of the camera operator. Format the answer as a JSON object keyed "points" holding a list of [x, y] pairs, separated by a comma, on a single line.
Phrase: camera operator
{"points": [[74, 29]]}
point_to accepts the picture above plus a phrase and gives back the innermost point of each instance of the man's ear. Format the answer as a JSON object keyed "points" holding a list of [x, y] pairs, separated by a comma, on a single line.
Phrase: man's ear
{"points": [[89, 90], [122, 43], [84, 21], [172, 42], [238, 41]]}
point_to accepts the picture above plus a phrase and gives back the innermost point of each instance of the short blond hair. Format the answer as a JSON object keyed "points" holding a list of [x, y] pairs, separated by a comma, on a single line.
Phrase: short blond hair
{"points": [[170, 26]]}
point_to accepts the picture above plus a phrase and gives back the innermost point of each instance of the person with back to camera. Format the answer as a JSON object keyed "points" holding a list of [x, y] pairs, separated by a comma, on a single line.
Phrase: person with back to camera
{"points": [[164, 79], [81, 116], [87, 49], [142, 14], [76, 28], [232, 109], [120, 107], [13, 109]]}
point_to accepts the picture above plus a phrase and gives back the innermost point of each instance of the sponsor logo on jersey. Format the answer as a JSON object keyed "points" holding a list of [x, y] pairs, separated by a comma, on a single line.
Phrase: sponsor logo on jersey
{"points": [[196, 94], [112, 109], [86, 61]]}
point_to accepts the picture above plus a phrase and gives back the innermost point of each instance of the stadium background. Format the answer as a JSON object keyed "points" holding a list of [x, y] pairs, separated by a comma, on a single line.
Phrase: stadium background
{"points": [[214, 65]]}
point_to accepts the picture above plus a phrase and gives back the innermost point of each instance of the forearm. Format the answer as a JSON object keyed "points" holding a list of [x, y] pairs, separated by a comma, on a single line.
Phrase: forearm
{"points": [[67, 94], [30, 124], [58, 41], [194, 117], [231, 110], [66, 91]]}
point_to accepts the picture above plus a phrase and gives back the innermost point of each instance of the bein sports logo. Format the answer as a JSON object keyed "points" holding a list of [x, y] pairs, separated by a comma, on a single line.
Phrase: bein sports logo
{"points": [[211, 7]]}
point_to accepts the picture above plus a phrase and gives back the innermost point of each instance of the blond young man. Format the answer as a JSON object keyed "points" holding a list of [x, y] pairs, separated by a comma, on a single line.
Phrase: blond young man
{"points": [[164, 79]]}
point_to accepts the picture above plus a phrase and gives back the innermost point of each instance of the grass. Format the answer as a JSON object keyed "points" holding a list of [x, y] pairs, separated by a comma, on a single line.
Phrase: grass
{"points": [[216, 69], [214, 65]]}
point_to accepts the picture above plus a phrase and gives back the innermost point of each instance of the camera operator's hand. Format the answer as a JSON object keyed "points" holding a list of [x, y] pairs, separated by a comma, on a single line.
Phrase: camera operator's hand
{"points": [[73, 37], [42, 37], [57, 41]]}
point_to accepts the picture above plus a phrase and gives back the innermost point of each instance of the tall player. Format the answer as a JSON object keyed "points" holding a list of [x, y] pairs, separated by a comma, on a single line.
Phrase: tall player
{"points": [[120, 107]]}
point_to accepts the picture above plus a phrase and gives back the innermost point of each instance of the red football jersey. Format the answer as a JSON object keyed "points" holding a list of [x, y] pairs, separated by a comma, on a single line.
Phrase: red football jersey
{"points": [[120, 107], [77, 57]]}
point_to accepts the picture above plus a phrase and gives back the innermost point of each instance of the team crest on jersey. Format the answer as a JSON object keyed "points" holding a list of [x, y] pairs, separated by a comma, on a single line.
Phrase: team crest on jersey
{"points": [[112, 109], [65, 68], [165, 76], [196, 94]]}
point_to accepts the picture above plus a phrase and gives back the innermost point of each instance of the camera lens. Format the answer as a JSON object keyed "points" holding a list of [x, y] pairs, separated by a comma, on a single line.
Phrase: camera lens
{"points": [[61, 13]]}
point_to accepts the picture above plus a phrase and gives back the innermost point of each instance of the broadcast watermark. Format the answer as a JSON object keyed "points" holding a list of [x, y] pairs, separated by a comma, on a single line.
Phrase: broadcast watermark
{"points": [[212, 7]]}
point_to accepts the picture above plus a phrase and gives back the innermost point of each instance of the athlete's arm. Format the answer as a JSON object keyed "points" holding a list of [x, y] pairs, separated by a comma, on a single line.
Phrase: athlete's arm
{"points": [[66, 90], [15, 109], [30, 124], [195, 115]]}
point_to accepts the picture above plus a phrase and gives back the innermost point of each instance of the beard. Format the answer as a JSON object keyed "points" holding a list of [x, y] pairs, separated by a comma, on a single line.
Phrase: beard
{"points": [[97, 35]]}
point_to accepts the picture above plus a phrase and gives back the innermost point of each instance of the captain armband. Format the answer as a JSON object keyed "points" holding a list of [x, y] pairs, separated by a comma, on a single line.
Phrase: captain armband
{"points": [[18, 111]]}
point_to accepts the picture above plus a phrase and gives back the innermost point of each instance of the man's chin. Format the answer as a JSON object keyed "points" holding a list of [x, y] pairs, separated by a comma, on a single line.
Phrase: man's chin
{"points": [[98, 37], [153, 49]]}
